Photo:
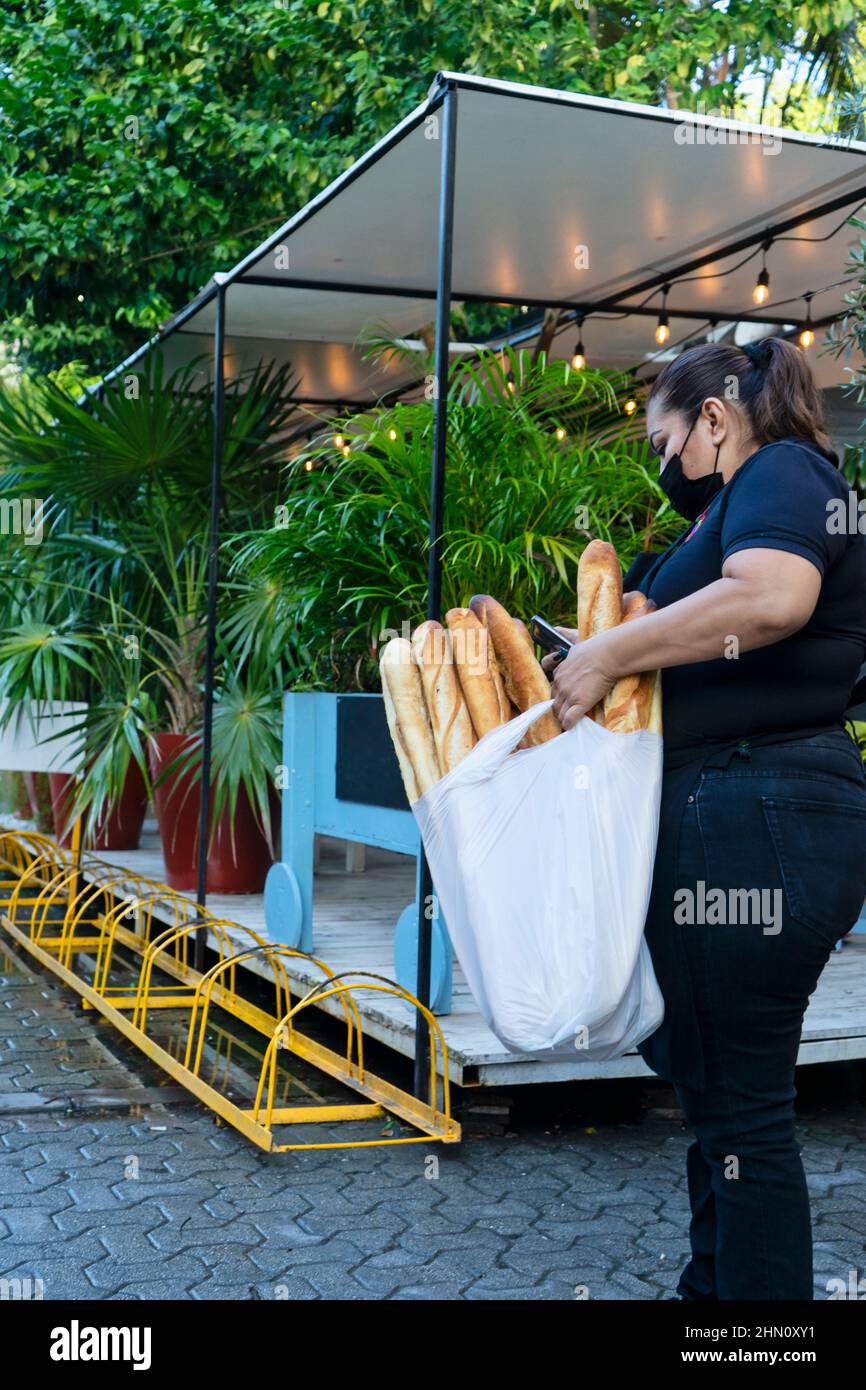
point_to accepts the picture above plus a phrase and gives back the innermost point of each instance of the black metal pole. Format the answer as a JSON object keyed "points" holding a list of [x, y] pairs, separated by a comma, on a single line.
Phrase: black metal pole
{"points": [[426, 897], [88, 678], [210, 629]]}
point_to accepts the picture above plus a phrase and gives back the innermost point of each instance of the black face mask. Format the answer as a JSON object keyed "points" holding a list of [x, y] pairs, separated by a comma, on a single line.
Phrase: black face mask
{"points": [[689, 496]]}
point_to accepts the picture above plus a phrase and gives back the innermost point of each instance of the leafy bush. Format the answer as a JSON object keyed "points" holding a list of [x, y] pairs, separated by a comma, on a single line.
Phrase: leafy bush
{"points": [[540, 459]]}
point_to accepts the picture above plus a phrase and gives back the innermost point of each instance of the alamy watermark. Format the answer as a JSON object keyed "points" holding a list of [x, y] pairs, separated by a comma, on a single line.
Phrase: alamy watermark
{"points": [[22, 516], [729, 907]]}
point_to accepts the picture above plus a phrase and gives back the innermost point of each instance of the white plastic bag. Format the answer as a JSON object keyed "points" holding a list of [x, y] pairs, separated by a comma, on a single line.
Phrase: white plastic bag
{"points": [[542, 862]]}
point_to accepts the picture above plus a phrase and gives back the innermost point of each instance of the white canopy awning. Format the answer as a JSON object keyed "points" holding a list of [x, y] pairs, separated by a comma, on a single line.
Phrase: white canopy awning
{"points": [[560, 200]]}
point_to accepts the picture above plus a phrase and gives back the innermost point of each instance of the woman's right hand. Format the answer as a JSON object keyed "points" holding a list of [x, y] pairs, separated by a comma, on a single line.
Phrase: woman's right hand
{"points": [[550, 662]]}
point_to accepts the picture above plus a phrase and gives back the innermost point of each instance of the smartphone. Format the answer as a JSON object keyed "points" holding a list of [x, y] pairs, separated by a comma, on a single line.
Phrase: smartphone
{"points": [[548, 637]]}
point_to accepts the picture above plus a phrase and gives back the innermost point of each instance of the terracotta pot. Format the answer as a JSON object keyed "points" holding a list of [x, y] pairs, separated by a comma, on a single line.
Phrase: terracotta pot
{"points": [[122, 827], [178, 806], [39, 796]]}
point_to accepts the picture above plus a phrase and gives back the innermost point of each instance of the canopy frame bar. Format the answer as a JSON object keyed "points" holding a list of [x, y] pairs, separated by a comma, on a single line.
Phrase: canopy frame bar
{"points": [[210, 623], [427, 899]]}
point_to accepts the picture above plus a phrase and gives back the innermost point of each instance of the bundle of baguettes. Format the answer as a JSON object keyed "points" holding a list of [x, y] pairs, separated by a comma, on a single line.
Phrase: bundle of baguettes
{"points": [[448, 687], [634, 702]]}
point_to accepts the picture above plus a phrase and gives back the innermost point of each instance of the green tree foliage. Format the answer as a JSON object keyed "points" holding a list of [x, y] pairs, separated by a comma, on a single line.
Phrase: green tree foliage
{"points": [[146, 144]]}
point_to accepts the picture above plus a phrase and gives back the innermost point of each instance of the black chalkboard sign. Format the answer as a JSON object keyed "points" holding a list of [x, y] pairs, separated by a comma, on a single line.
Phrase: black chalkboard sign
{"points": [[367, 769]]}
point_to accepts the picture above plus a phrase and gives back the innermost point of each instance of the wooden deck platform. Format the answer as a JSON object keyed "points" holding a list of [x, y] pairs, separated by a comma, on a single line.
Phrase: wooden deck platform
{"points": [[353, 921]]}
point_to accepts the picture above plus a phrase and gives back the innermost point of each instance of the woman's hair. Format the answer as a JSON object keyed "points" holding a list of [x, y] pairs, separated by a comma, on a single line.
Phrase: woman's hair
{"points": [[775, 387]]}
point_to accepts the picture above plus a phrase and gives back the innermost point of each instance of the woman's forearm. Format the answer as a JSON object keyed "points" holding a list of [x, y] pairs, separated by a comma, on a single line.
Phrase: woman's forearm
{"points": [[723, 619]]}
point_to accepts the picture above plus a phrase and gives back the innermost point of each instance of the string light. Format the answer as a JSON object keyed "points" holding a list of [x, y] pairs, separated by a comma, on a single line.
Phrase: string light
{"points": [[761, 292], [510, 383], [630, 406], [346, 451], [578, 360], [338, 441], [392, 434], [807, 332], [308, 464], [560, 432], [663, 331]]}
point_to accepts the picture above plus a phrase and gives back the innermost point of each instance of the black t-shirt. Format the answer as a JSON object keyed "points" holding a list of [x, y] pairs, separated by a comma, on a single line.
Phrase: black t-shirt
{"points": [[781, 498]]}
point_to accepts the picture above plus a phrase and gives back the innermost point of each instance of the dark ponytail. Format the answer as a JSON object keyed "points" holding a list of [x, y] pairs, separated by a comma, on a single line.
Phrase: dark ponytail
{"points": [[774, 387]]}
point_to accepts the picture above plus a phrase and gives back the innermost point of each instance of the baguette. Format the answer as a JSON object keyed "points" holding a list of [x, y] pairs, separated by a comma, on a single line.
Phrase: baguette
{"points": [[478, 671], [525, 682], [654, 722], [407, 716], [634, 702], [453, 733], [599, 597], [523, 632]]}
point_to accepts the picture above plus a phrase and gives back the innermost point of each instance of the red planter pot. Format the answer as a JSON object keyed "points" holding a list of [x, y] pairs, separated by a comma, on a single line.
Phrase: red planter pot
{"points": [[122, 827], [239, 867]]}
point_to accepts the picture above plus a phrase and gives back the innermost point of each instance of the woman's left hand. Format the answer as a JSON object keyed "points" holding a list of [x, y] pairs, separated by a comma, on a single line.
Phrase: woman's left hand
{"points": [[580, 681]]}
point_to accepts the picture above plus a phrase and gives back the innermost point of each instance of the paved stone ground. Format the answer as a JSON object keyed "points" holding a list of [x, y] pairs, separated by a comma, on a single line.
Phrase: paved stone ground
{"points": [[107, 1193]]}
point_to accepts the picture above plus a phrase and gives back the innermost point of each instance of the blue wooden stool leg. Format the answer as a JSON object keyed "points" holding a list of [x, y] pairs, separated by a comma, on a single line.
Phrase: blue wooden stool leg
{"points": [[289, 885], [441, 955]]}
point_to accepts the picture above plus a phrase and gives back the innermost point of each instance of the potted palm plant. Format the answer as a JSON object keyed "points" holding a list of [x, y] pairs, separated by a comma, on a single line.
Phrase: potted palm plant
{"points": [[139, 461]]}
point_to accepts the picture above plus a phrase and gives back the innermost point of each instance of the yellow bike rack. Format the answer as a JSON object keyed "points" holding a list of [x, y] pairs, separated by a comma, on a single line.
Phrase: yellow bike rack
{"points": [[65, 893]]}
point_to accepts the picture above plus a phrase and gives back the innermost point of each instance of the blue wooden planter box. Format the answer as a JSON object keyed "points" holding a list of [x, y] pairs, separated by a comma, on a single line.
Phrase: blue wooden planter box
{"points": [[341, 778]]}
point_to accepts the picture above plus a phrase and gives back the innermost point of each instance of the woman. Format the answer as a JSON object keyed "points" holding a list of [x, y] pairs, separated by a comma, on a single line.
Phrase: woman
{"points": [[760, 630]]}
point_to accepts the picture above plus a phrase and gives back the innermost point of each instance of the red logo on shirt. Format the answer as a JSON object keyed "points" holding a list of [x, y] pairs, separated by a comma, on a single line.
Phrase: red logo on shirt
{"points": [[697, 524]]}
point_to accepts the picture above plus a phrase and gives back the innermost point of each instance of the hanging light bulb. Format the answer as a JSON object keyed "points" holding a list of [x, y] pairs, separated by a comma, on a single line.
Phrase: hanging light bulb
{"points": [[807, 332], [578, 360], [761, 292], [663, 331]]}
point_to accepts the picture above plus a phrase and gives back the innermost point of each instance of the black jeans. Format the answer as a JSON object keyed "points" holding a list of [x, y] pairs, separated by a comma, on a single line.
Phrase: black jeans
{"points": [[790, 820]]}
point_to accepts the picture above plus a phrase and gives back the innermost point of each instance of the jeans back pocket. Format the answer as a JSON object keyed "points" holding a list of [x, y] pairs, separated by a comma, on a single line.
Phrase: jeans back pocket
{"points": [[821, 849]]}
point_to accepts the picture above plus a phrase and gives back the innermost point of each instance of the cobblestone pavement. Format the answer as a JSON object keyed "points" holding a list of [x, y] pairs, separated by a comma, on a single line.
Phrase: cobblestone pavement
{"points": [[113, 1189]]}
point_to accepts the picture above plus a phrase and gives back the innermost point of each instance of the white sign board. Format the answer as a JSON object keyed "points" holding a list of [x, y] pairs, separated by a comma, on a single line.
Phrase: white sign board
{"points": [[29, 745]]}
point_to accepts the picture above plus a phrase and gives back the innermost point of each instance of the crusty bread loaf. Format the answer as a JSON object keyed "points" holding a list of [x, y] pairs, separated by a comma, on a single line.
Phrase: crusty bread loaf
{"points": [[407, 771], [634, 702], [634, 605], [524, 633], [408, 719], [654, 722], [599, 590], [453, 733], [599, 597], [478, 671], [525, 682]]}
